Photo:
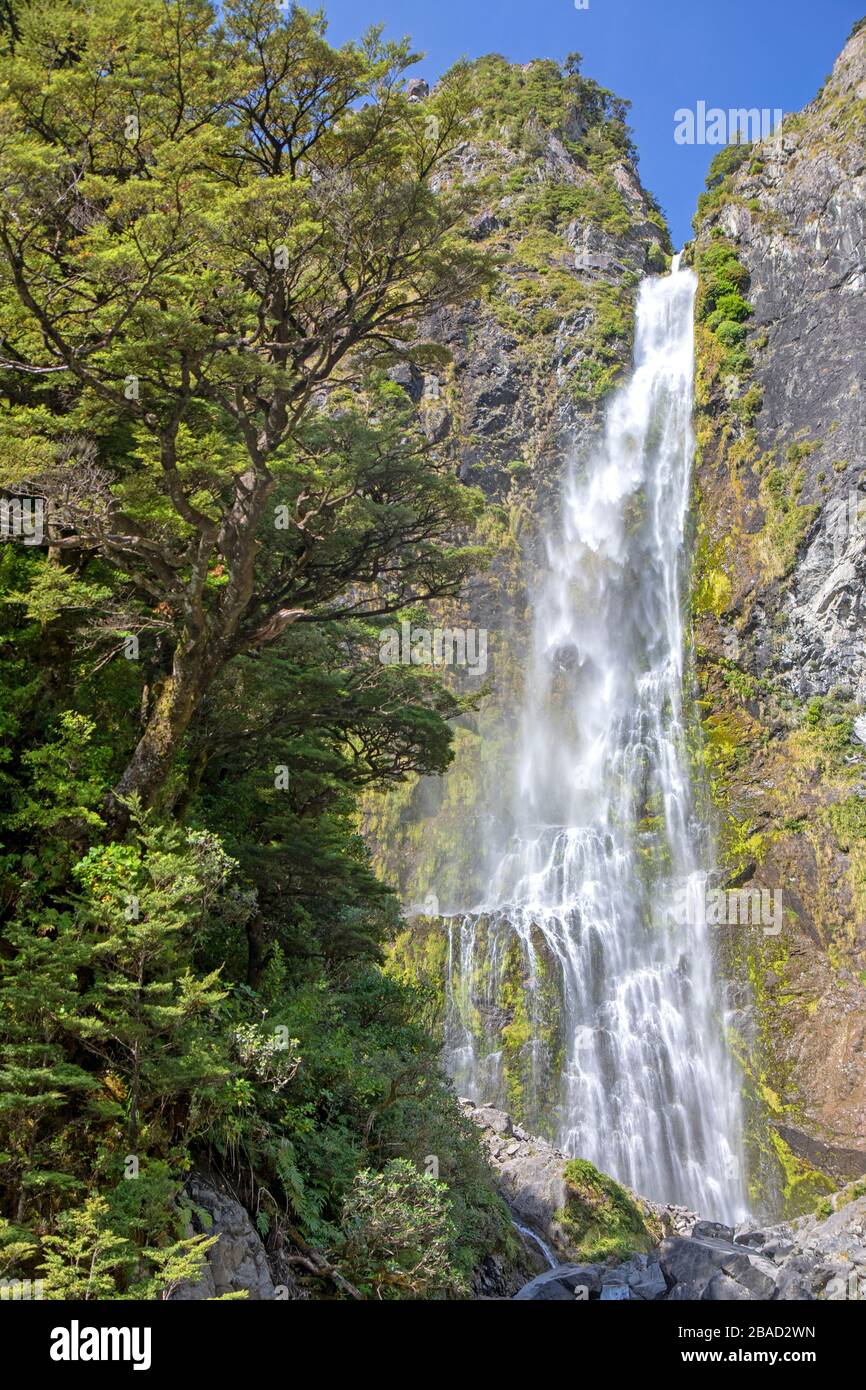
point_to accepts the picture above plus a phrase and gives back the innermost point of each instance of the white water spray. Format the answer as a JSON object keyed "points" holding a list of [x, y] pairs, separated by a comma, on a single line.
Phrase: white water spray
{"points": [[622, 1058]]}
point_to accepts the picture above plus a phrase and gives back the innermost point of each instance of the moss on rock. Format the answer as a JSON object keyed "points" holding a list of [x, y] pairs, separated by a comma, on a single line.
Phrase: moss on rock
{"points": [[602, 1220]]}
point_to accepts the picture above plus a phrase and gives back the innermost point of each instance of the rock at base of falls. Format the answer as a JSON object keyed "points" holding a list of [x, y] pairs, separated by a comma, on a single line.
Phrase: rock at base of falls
{"points": [[820, 1256], [543, 1192]]}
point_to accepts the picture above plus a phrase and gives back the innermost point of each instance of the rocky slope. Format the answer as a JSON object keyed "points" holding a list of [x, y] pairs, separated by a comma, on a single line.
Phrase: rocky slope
{"points": [[781, 562], [606, 1243]]}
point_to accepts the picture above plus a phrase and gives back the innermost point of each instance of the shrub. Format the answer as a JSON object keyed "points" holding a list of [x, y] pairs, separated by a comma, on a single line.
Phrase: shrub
{"points": [[726, 162], [399, 1236]]}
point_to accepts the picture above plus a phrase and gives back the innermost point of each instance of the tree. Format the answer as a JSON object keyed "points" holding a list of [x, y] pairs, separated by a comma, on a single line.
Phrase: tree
{"points": [[101, 1248], [218, 238], [146, 1014], [207, 228]]}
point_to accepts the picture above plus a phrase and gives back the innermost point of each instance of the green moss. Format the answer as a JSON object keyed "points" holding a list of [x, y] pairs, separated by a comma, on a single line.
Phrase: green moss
{"points": [[803, 1185], [601, 1219], [827, 1205], [848, 821], [527, 1033], [418, 956], [711, 587], [741, 843]]}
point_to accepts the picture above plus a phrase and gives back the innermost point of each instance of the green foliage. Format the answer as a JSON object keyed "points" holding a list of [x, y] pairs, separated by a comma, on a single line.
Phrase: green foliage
{"points": [[190, 947], [728, 160], [171, 328], [788, 520], [718, 182], [520, 102], [101, 1249], [399, 1236], [718, 189], [848, 819], [598, 201], [723, 278]]}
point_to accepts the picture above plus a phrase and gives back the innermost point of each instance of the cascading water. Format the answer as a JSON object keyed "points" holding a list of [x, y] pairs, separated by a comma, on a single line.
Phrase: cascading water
{"points": [[577, 964]]}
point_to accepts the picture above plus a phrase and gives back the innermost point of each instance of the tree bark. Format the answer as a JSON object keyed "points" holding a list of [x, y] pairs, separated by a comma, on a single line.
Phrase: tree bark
{"points": [[205, 644], [155, 752], [256, 955]]}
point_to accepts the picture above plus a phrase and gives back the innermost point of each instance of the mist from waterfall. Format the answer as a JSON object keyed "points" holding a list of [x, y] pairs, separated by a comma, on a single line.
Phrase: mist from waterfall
{"points": [[624, 1059]]}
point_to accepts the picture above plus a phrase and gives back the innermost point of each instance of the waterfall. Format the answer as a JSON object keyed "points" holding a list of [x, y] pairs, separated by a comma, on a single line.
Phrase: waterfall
{"points": [[579, 985]]}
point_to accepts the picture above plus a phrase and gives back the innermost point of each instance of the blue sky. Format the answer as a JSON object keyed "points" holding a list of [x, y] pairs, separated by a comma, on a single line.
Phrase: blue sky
{"points": [[660, 54]]}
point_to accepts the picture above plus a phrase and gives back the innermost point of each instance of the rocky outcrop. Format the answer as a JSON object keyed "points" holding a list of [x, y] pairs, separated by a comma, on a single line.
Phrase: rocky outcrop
{"points": [[780, 519], [535, 1181], [779, 599], [237, 1263], [819, 1256]]}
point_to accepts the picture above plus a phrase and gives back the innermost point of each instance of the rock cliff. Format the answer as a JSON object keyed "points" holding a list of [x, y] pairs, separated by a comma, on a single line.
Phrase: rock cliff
{"points": [[780, 564], [529, 364], [779, 546]]}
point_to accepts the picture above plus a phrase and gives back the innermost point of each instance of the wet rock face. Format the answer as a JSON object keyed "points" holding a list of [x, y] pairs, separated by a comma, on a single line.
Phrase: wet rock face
{"points": [[782, 652]]}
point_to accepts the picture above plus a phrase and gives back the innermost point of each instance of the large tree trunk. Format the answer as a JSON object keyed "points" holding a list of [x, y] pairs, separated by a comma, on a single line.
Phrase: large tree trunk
{"points": [[257, 956], [179, 694], [203, 647]]}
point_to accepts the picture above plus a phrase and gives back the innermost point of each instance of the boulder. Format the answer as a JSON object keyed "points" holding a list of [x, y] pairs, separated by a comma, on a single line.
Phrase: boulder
{"points": [[237, 1263], [560, 1284]]}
